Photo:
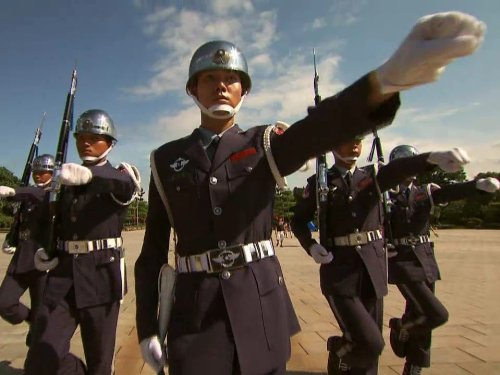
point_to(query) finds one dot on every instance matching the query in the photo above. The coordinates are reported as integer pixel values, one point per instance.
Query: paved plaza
(468, 344)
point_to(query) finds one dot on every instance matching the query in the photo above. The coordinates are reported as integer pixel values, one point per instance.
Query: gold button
(226, 274)
(280, 280)
(358, 247)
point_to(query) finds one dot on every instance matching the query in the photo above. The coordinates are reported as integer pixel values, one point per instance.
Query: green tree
(442, 178)
(284, 203)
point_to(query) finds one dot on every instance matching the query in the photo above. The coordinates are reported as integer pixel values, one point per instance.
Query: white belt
(82, 247)
(231, 257)
(358, 238)
(412, 240)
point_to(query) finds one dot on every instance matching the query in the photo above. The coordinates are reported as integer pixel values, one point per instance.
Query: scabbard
(166, 286)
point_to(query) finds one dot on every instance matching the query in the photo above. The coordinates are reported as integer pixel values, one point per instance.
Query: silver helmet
(96, 121)
(219, 54)
(402, 151)
(43, 163)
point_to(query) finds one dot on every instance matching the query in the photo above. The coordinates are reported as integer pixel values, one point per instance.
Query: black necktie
(210, 150)
(348, 178)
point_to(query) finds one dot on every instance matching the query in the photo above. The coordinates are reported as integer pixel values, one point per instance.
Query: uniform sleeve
(399, 170)
(304, 213)
(336, 120)
(153, 256)
(455, 192)
(111, 180)
(28, 193)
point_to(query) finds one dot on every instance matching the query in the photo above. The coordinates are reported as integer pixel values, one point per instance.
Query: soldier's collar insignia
(179, 164)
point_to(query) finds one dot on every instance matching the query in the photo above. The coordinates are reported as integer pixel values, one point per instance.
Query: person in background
(21, 273)
(414, 268)
(86, 281)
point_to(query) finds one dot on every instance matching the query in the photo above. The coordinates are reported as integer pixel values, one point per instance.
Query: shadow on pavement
(5, 369)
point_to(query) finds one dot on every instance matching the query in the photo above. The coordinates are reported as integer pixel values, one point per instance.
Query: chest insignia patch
(179, 164)
(243, 154)
(420, 197)
(365, 183)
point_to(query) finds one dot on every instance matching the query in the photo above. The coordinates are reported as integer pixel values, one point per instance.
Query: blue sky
(132, 59)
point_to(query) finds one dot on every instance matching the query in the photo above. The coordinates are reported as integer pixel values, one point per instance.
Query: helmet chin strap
(44, 184)
(95, 159)
(219, 111)
(345, 159)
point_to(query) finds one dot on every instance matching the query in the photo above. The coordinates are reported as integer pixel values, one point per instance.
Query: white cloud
(179, 31)
(224, 7)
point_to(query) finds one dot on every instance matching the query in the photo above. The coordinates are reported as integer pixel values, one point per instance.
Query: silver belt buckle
(226, 259)
(77, 247)
(355, 239)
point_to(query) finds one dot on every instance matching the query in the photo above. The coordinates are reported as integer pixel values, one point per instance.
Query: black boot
(338, 347)
(398, 337)
(410, 369)
(336, 366)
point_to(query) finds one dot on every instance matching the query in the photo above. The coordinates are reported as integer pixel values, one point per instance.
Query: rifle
(321, 169)
(12, 236)
(386, 203)
(60, 159)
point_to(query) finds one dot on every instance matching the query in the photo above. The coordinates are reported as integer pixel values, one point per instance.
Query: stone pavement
(468, 344)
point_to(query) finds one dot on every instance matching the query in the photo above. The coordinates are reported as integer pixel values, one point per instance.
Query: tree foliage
(284, 203)
(478, 211)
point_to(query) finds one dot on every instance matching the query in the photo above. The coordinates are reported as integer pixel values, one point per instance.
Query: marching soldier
(231, 312)
(353, 259)
(21, 273)
(85, 280)
(414, 269)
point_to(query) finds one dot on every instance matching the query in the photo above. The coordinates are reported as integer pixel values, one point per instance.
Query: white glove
(434, 42)
(6, 191)
(488, 184)
(7, 249)
(42, 261)
(74, 174)
(320, 254)
(152, 353)
(449, 161)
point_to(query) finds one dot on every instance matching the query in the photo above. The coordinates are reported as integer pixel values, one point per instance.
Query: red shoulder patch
(243, 154)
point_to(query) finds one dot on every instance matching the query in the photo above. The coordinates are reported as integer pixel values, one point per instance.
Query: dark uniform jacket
(29, 230)
(230, 202)
(348, 211)
(88, 212)
(410, 217)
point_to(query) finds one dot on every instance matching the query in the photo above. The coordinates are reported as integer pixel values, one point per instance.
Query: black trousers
(421, 303)
(360, 318)
(49, 353)
(13, 287)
